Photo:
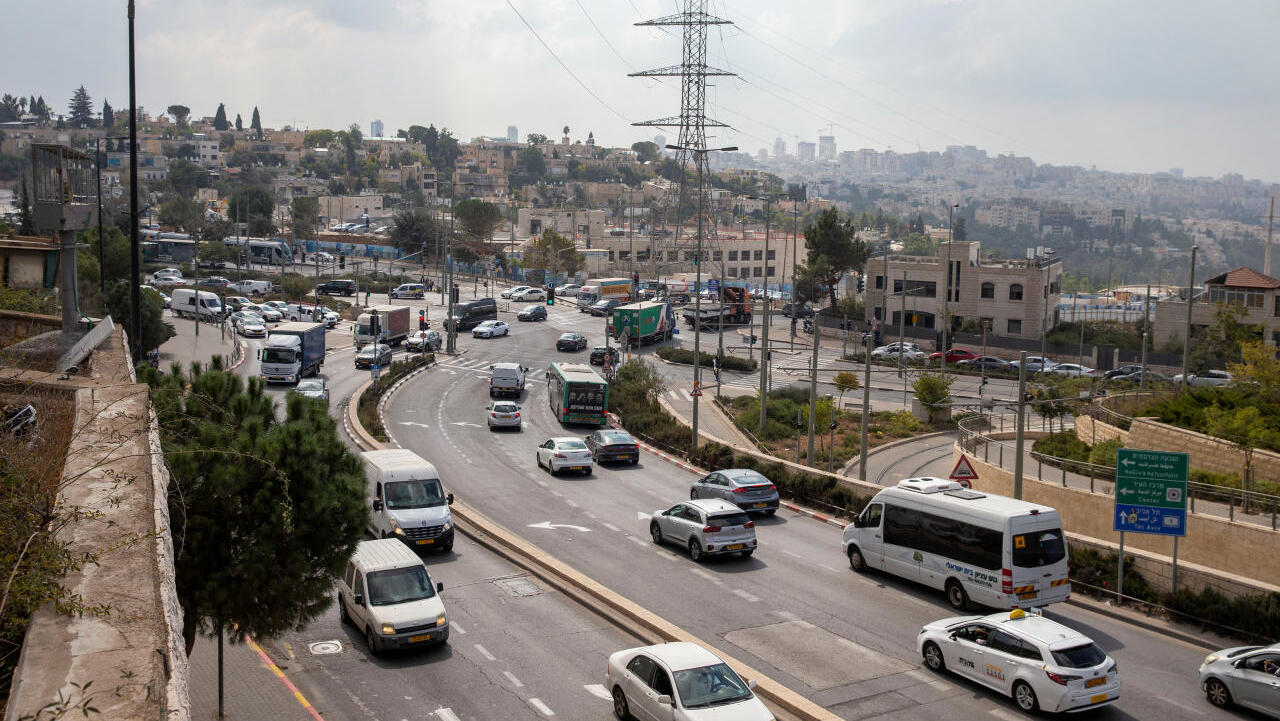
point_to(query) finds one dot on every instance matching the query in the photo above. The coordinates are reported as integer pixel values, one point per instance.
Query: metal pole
(884, 292)
(135, 289)
(795, 261)
(451, 342)
(1146, 332)
(1044, 316)
(1022, 412)
(764, 330)
(220, 708)
(102, 260)
(697, 314)
(813, 388)
(1120, 569)
(831, 445)
(1186, 335)
(1173, 577)
(1266, 256)
(866, 406)
(902, 321)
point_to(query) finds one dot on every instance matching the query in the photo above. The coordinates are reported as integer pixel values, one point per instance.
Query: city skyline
(1124, 89)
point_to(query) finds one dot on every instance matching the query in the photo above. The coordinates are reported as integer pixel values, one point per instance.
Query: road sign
(964, 472)
(713, 285)
(1151, 492)
(374, 370)
(697, 390)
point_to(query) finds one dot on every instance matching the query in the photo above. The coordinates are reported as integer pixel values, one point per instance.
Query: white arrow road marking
(642, 516)
(548, 525)
(445, 714)
(414, 423)
(465, 424)
(598, 691)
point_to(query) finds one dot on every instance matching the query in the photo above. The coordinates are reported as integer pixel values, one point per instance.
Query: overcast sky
(1127, 85)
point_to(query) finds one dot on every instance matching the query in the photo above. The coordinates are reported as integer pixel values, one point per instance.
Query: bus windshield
(1038, 548)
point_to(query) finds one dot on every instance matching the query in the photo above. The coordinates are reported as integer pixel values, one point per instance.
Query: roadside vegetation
(685, 356)
(367, 404)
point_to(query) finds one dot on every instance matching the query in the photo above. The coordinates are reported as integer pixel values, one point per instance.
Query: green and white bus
(577, 394)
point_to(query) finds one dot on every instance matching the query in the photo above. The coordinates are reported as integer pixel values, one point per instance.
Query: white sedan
(559, 454)
(1041, 663)
(530, 294)
(908, 351)
(251, 325)
(509, 292)
(1207, 379)
(491, 329)
(1035, 364)
(680, 681)
(1072, 369)
(568, 290)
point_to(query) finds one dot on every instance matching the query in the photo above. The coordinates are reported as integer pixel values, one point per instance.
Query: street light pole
(1186, 335)
(764, 329)
(135, 289)
(946, 300)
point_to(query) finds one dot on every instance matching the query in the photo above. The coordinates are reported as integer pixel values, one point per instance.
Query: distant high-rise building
(375, 129)
(779, 148)
(1176, 172)
(763, 155)
(513, 135)
(805, 151)
(660, 141)
(826, 148)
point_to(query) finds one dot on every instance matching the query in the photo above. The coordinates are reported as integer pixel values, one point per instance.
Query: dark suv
(337, 287)
(472, 313)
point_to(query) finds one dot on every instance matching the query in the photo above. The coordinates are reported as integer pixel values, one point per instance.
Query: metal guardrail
(972, 438)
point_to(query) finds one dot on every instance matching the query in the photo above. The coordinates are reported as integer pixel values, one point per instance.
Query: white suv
(706, 526)
(1041, 663)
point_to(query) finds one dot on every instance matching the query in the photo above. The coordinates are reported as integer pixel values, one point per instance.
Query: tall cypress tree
(81, 110)
(239, 122)
(256, 123)
(220, 118)
(108, 115)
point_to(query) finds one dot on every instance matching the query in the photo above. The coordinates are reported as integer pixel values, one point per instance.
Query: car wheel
(693, 494)
(537, 459)
(695, 550)
(956, 595)
(1217, 693)
(635, 460)
(655, 532)
(771, 511)
(1025, 697)
(342, 610)
(747, 553)
(371, 640)
(856, 561)
(933, 657)
(620, 708)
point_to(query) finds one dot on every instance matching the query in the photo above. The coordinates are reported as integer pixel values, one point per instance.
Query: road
(794, 610)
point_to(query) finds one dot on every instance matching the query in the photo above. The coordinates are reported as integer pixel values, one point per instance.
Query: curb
(238, 349)
(1134, 619)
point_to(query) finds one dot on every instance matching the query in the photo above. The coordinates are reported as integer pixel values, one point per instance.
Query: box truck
(392, 322)
(644, 322)
(293, 350)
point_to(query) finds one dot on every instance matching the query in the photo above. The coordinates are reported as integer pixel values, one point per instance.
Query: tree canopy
(108, 115)
(253, 204)
(321, 138)
(304, 214)
(220, 118)
(256, 123)
(477, 218)
(646, 151)
(414, 230)
(239, 122)
(180, 114)
(833, 250)
(80, 113)
(540, 255)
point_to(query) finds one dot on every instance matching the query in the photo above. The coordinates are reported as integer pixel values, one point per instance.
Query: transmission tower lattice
(693, 72)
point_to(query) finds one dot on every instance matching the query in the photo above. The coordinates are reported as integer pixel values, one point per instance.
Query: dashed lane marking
(787, 615)
(746, 595)
(445, 714)
(485, 652)
(638, 541)
(512, 678)
(542, 708)
(598, 690)
(612, 527)
(457, 629)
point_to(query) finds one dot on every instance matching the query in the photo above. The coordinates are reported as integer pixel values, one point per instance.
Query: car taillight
(749, 524)
(1061, 679)
(710, 529)
(1006, 580)
(561, 455)
(741, 489)
(564, 410)
(773, 488)
(517, 415)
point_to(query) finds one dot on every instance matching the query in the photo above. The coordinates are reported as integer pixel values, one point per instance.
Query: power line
(602, 36)
(573, 75)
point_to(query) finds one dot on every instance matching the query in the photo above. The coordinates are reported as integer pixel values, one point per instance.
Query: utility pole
(884, 292)
(451, 342)
(866, 409)
(1146, 332)
(795, 261)
(813, 390)
(697, 316)
(1186, 334)
(764, 329)
(1271, 216)
(1022, 411)
(1044, 314)
(135, 287)
(946, 300)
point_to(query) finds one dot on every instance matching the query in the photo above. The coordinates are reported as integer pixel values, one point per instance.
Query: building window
(1277, 313)
(1250, 297)
(715, 255)
(733, 272)
(988, 290)
(988, 324)
(1015, 293)
(773, 254)
(1015, 327)
(758, 272)
(759, 255)
(771, 274)
(733, 255)
(879, 282)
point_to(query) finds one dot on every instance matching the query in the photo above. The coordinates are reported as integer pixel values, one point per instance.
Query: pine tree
(26, 224)
(239, 122)
(220, 118)
(108, 115)
(81, 111)
(256, 123)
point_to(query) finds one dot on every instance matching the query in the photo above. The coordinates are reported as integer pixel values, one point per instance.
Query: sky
(1129, 86)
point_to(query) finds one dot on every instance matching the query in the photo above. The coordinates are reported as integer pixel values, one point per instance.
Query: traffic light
(551, 298)
(422, 319)
(342, 260)
(862, 283)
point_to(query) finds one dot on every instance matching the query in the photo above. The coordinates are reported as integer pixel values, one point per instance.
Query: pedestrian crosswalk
(480, 366)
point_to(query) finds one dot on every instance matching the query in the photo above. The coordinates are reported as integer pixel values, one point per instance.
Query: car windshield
(399, 585)
(423, 493)
(571, 445)
(729, 519)
(1039, 548)
(310, 386)
(279, 355)
(710, 686)
(532, 308)
(568, 336)
(1086, 656)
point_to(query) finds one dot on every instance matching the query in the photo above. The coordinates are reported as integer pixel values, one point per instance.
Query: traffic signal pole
(1021, 433)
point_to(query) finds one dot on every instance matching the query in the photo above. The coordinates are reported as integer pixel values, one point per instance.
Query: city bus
(982, 548)
(577, 394)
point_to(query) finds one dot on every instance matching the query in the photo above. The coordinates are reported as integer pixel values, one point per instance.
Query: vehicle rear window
(507, 408)
(573, 445)
(728, 519)
(751, 479)
(1038, 548)
(1086, 656)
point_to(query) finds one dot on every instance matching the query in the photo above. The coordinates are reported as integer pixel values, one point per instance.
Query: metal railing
(1203, 498)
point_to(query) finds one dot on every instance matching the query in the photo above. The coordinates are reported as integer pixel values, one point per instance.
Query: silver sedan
(742, 487)
(503, 414)
(1246, 676)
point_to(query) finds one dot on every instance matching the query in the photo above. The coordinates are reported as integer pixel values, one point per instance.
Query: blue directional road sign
(713, 285)
(1151, 492)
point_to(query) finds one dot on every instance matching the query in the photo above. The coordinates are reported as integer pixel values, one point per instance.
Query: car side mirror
(439, 587)
(664, 700)
(358, 599)
(449, 499)
(377, 504)
(857, 521)
(490, 367)
(751, 683)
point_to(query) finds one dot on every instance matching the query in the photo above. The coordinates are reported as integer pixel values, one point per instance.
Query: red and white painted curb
(812, 514)
(244, 353)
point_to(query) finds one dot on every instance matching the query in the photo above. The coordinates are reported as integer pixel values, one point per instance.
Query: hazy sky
(1126, 85)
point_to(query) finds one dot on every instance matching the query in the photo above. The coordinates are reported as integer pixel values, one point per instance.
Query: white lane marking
(542, 483)
(789, 553)
(787, 615)
(512, 678)
(746, 596)
(612, 527)
(706, 575)
(485, 652)
(571, 503)
(598, 691)
(1183, 706)
(639, 541)
(1005, 715)
(541, 707)
(642, 516)
(445, 714)
(457, 629)
(828, 568)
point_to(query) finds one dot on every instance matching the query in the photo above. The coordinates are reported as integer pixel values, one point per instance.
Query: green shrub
(1062, 445)
(901, 424)
(1258, 614)
(685, 356)
(1097, 568)
(933, 389)
(1104, 453)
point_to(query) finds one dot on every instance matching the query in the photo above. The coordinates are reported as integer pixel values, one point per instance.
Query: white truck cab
(407, 500)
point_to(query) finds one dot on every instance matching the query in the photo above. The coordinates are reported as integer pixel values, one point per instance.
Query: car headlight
(448, 525)
(395, 527)
(388, 629)
(440, 619)
(1211, 658)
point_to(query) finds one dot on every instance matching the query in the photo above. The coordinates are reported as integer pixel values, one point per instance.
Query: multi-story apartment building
(1014, 297)
(826, 148)
(805, 151)
(1258, 294)
(586, 227)
(1010, 213)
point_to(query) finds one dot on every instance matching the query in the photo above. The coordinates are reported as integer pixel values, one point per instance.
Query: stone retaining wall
(16, 326)
(1092, 431)
(1207, 453)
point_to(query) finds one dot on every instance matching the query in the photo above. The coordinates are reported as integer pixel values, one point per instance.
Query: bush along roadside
(633, 397)
(685, 356)
(367, 408)
(1254, 617)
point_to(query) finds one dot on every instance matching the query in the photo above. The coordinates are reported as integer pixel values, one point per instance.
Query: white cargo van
(387, 593)
(506, 379)
(252, 287)
(993, 550)
(192, 303)
(407, 499)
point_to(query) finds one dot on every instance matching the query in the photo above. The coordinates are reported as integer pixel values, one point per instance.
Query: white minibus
(992, 550)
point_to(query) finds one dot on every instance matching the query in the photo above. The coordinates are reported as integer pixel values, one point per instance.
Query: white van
(252, 287)
(190, 303)
(408, 290)
(991, 550)
(408, 502)
(387, 593)
(506, 379)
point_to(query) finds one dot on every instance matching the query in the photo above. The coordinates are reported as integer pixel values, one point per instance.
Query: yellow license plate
(1098, 699)
(426, 541)
(1028, 595)
(420, 638)
(760, 505)
(575, 468)
(734, 547)
(1095, 682)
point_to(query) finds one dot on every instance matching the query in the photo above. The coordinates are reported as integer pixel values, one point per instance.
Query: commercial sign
(1151, 492)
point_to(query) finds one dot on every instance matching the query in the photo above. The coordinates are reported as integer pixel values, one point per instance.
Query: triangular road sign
(964, 471)
(697, 389)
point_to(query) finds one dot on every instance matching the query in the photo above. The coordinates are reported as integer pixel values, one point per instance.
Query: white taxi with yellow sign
(1042, 664)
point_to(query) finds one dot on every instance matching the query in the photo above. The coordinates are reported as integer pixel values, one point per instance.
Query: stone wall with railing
(1207, 453)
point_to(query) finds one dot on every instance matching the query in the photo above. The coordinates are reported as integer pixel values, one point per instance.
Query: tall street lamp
(946, 299)
(697, 307)
(764, 324)
(97, 162)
